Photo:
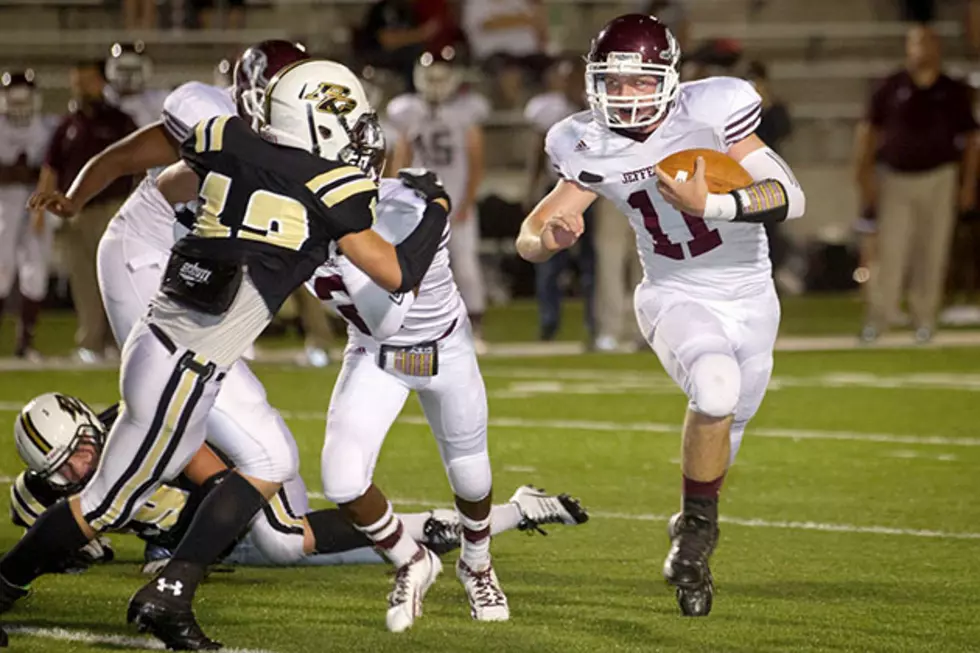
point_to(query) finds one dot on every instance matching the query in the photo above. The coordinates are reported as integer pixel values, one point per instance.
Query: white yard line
(943, 339)
(86, 637)
(736, 521)
(748, 523)
(646, 427)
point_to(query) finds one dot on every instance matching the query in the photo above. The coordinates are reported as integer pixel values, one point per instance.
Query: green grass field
(852, 518)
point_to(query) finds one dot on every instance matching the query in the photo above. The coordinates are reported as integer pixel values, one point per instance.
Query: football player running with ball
(269, 208)
(706, 305)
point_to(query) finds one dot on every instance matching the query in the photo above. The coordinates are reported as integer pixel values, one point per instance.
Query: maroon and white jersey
(144, 107)
(149, 214)
(372, 312)
(546, 109)
(438, 135)
(709, 259)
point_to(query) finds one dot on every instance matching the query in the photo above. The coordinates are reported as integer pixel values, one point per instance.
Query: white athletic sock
(504, 518)
(389, 535)
(414, 524)
(476, 542)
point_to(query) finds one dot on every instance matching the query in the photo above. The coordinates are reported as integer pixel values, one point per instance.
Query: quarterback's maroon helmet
(256, 66)
(632, 75)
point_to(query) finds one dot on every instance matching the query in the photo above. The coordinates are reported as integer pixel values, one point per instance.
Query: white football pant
(241, 424)
(24, 253)
(366, 401)
(167, 393)
(718, 352)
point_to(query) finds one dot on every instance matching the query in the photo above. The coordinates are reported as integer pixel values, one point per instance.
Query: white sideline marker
(122, 641)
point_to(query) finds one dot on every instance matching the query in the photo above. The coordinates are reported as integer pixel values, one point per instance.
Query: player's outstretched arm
(179, 184)
(555, 223)
(146, 148)
(398, 269)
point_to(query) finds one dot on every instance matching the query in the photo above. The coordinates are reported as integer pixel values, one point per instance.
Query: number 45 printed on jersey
(703, 239)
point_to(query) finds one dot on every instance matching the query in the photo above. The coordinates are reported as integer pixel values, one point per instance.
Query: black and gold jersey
(161, 517)
(271, 208)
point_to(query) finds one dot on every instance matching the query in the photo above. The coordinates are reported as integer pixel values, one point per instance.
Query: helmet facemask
(19, 103)
(366, 149)
(655, 88)
(50, 472)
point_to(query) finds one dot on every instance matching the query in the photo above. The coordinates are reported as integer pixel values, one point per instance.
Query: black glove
(425, 183)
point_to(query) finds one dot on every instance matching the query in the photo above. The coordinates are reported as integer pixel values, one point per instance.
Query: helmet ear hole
(324, 132)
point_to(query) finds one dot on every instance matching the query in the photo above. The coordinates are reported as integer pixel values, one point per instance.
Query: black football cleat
(171, 622)
(441, 532)
(693, 540)
(10, 594)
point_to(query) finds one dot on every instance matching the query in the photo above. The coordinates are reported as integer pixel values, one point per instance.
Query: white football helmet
(436, 75)
(50, 428)
(128, 69)
(320, 106)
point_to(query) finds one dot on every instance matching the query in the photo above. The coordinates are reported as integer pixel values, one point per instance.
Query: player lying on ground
(287, 532)
(707, 304)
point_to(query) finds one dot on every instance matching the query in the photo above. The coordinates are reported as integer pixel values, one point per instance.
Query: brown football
(722, 172)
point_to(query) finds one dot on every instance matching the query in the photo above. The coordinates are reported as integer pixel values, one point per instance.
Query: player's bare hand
(54, 202)
(561, 232)
(687, 195)
(37, 221)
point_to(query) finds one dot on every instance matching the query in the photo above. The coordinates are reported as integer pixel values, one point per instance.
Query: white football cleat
(412, 581)
(487, 600)
(537, 507)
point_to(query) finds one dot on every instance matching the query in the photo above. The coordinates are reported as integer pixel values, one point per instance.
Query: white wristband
(720, 207)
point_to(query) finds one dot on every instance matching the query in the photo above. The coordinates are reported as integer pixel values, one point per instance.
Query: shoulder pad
(191, 103)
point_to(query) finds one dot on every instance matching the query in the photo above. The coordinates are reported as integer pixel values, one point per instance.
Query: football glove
(425, 183)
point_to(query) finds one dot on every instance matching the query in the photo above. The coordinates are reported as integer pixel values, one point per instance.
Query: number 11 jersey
(710, 259)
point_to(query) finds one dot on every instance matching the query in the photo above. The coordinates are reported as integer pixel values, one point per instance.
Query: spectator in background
(920, 129)
(450, 34)
(919, 11)
(508, 38)
(210, 18)
(393, 37)
(673, 14)
(775, 128)
(91, 125)
(24, 252)
(139, 14)
(565, 97)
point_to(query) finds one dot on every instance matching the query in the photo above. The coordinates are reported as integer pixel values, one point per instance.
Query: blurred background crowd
(871, 101)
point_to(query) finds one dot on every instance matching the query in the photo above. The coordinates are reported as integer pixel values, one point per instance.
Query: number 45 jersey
(708, 259)
(437, 134)
(273, 209)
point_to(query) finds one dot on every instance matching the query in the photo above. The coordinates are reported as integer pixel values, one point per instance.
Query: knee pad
(715, 385)
(265, 450)
(345, 472)
(470, 476)
(279, 544)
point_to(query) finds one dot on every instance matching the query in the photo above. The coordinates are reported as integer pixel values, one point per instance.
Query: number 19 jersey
(710, 259)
